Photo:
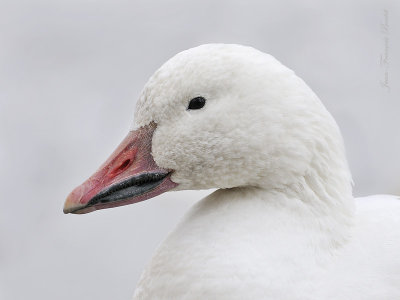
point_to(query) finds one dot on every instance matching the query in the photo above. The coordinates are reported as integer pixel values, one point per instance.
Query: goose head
(219, 116)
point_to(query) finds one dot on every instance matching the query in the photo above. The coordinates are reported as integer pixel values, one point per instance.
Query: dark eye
(197, 103)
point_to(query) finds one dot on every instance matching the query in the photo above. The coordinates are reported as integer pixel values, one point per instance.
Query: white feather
(283, 224)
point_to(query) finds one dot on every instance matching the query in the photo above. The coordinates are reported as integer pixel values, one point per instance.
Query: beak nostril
(124, 165)
(121, 168)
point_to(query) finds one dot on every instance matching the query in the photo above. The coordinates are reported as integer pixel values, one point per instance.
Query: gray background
(70, 73)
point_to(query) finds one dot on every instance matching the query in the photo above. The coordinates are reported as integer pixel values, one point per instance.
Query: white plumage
(283, 224)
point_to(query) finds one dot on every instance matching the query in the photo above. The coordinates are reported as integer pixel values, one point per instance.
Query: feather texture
(284, 223)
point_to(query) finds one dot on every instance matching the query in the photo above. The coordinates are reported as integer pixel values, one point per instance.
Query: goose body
(255, 252)
(283, 223)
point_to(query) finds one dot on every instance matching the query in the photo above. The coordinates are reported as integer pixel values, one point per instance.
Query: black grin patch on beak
(131, 187)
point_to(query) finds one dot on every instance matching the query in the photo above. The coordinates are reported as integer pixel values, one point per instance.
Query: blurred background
(70, 74)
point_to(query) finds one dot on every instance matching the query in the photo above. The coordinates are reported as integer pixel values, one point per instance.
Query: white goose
(284, 223)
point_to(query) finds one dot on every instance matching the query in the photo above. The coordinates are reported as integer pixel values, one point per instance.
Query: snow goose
(283, 223)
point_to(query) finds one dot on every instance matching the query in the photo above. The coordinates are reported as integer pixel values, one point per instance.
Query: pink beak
(128, 176)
